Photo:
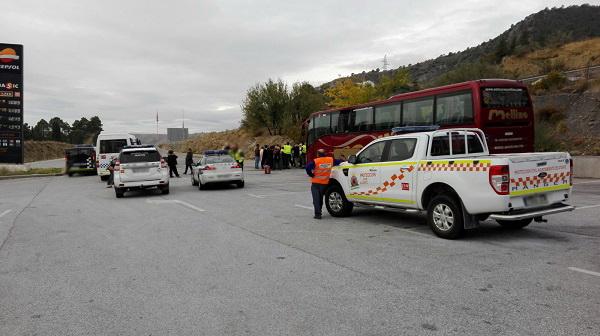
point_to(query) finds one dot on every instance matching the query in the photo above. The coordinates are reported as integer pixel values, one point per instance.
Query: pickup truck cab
(450, 174)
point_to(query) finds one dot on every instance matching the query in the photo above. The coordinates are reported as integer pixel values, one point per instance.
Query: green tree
(27, 132)
(41, 131)
(59, 129)
(345, 93)
(469, 71)
(304, 99)
(399, 82)
(265, 106)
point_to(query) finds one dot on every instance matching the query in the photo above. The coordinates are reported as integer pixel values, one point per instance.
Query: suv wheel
(119, 192)
(165, 190)
(336, 202)
(194, 182)
(240, 184)
(201, 186)
(515, 225)
(444, 216)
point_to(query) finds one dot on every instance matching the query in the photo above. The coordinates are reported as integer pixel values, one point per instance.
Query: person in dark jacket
(111, 169)
(189, 161)
(172, 162)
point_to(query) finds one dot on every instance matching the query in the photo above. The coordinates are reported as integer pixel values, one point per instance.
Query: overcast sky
(124, 60)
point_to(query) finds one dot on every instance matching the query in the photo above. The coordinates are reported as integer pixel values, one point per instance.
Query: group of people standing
(279, 157)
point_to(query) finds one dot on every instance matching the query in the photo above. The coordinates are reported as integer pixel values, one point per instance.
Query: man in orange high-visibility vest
(319, 170)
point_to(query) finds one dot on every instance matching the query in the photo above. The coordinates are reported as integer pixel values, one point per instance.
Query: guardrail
(591, 71)
(586, 166)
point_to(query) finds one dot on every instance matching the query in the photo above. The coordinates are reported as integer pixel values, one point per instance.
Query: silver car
(217, 167)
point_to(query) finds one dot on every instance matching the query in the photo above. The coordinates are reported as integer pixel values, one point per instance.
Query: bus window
(505, 97)
(458, 143)
(387, 116)
(418, 112)
(311, 132)
(343, 122)
(322, 124)
(362, 119)
(456, 108)
(335, 117)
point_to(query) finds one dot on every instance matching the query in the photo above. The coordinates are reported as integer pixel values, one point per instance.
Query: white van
(108, 146)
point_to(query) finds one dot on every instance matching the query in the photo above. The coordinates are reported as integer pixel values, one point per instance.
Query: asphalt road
(74, 260)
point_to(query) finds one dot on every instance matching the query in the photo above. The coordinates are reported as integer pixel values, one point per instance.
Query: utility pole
(157, 124)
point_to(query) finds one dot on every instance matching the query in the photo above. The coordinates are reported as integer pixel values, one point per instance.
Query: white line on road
(182, 203)
(5, 212)
(303, 206)
(256, 196)
(587, 207)
(584, 271)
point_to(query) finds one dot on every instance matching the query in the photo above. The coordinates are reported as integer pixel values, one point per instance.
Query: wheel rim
(443, 217)
(336, 203)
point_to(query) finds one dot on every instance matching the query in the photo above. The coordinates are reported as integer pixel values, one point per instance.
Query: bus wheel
(336, 202)
(444, 216)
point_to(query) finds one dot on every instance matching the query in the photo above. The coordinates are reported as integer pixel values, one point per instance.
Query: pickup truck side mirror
(352, 159)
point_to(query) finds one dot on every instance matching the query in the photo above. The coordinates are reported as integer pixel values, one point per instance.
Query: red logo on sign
(8, 55)
(405, 186)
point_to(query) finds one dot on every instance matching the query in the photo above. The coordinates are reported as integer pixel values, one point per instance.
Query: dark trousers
(286, 161)
(318, 192)
(188, 165)
(173, 170)
(111, 178)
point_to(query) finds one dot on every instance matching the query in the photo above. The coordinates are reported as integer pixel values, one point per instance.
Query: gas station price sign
(11, 103)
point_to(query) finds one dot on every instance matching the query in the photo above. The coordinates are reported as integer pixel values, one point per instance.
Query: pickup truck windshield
(140, 156)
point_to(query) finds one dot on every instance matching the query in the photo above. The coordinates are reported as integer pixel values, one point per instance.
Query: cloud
(126, 60)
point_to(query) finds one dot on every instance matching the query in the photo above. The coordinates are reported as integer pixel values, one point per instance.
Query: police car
(450, 174)
(140, 167)
(217, 166)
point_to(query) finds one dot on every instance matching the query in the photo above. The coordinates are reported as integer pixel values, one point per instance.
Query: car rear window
(140, 156)
(112, 146)
(219, 159)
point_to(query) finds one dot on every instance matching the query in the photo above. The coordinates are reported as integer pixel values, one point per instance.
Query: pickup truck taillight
(571, 171)
(236, 165)
(500, 179)
(209, 168)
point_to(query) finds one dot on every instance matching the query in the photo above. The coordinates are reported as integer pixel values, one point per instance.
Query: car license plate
(223, 175)
(535, 200)
(140, 170)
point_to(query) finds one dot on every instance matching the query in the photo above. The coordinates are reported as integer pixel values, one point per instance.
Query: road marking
(5, 212)
(256, 196)
(276, 194)
(584, 271)
(303, 206)
(587, 207)
(182, 203)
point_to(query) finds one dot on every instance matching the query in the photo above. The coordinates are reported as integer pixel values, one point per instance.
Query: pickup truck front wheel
(515, 225)
(336, 202)
(444, 216)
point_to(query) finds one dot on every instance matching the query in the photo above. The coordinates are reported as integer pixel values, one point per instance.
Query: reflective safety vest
(303, 149)
(237, 155)
(322, 171)
(287, 149)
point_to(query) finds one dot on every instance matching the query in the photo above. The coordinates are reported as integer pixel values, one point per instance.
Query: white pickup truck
(450, 174)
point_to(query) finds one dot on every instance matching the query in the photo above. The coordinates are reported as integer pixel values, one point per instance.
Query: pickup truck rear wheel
(444, 216)
(518, 224)
(336, 203)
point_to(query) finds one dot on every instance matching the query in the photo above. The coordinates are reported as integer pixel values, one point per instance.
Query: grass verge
(32, 171)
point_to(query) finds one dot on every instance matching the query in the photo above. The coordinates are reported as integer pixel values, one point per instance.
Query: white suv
(140, 167)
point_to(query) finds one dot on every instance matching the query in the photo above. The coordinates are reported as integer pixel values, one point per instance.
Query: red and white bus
(501, 108)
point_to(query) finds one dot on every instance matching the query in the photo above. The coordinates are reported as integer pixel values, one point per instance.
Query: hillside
(546, 29)
(217, 140)
(574, 55)
(44, 150)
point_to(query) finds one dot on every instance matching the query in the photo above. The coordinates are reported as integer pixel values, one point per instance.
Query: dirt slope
(44, 150)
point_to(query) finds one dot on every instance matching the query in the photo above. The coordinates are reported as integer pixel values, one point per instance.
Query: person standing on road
(276, 158)
(302, 155)
(286, 155)
(257, 156)
(296, 156)
(172, 163)
(111, 169)
(237, 154)
(189, 161)
(319, 170)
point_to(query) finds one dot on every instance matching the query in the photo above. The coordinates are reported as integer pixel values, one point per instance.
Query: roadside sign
(11, 103)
